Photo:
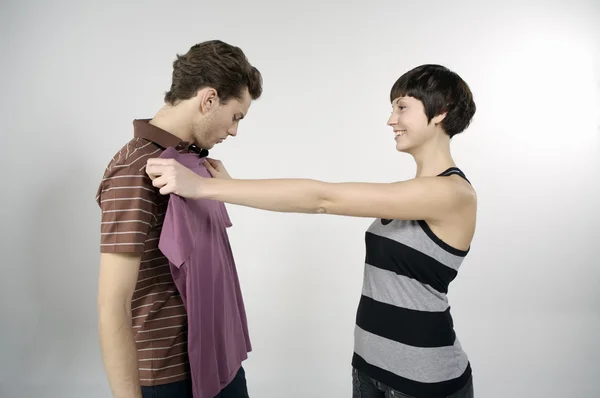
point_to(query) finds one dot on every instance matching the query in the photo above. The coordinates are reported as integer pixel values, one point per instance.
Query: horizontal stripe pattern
(404, 334)
(401, 291)
(414, 363)
(409, 234)
(415, 328)
(132, 217)
(388, 254)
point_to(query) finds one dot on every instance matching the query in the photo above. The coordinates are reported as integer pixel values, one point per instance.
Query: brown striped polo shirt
(132, 217)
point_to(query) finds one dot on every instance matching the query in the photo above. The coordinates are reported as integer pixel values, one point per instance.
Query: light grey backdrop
(526, 304)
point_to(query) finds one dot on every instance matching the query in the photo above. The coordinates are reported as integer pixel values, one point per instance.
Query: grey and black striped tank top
(404, 335)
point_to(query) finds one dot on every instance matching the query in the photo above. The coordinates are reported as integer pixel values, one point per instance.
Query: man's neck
(173, 120)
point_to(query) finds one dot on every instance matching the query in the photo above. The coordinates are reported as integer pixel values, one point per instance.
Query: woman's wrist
(208, 188)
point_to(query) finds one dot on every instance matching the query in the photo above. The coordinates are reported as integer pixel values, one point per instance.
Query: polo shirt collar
(143, 129)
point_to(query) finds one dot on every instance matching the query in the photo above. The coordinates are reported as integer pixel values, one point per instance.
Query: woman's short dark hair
(440, 90)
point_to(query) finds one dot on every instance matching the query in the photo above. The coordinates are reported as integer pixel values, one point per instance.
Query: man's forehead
(245, 102)
(246, 97)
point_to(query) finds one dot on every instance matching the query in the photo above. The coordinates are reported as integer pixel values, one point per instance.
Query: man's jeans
(183, 389)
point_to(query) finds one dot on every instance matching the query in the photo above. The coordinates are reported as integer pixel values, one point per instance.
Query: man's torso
(133, 212)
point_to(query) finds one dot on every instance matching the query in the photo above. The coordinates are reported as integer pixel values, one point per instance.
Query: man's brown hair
(217, 65)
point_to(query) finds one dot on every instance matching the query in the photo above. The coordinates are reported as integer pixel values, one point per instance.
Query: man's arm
(117, 279)
(126, 198)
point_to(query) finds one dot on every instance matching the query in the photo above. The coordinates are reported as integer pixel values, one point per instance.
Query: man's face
(222, 121)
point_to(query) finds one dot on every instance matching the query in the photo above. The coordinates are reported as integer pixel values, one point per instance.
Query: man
(142, 318)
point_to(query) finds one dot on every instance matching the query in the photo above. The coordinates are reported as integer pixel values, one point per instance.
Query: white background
(526, 302)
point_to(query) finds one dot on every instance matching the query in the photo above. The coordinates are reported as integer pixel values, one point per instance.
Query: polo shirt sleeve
(127, 199)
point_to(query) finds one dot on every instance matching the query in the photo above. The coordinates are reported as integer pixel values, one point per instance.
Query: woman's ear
(439, 118)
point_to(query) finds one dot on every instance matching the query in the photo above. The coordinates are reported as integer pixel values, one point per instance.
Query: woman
(405, 345)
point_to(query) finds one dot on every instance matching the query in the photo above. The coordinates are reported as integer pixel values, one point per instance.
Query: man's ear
(209, 99)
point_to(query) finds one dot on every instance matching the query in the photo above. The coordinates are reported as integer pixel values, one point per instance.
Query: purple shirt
(194, 240)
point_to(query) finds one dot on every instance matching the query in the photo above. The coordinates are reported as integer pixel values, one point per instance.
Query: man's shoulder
(133, 156)
(125, 174)
(135, 153)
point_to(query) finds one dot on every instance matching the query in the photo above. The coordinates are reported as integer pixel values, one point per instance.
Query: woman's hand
(216, 169)
(171, 176)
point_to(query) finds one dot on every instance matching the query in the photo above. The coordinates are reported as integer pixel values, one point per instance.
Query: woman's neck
(434, 158)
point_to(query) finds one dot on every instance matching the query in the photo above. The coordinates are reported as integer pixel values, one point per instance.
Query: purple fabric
(194, 240)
